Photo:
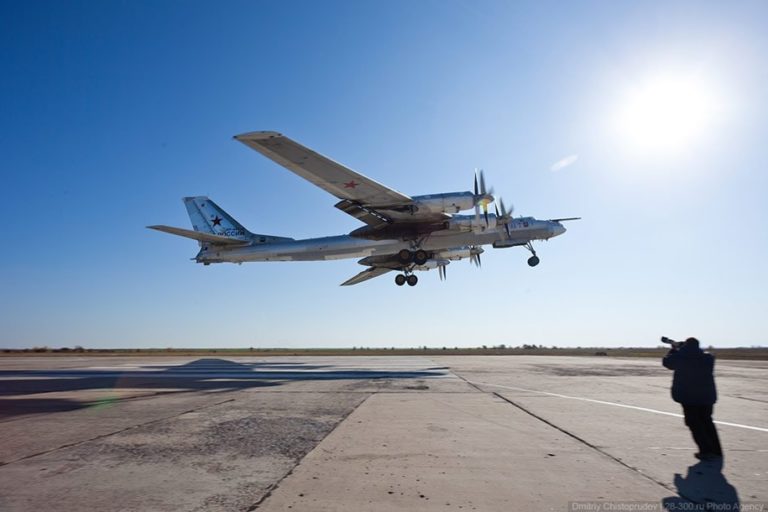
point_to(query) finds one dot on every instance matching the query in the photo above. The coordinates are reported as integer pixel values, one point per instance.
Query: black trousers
(698, 418)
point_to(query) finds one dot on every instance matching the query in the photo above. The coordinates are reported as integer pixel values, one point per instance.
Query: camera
(675, 344)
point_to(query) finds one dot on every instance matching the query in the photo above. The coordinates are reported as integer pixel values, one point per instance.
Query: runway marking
(644, 409)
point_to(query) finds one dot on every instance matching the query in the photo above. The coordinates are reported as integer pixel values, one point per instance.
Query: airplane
(401, 233)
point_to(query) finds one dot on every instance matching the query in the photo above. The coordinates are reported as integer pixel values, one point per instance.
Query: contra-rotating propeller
(474, 256)
(504, 216)
(482, 197)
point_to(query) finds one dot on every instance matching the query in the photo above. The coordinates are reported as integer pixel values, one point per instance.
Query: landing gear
(409, 259)
(418, 257)
(533, 260)
(401, 279)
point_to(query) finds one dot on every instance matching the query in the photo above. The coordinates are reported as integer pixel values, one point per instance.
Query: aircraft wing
(331, 176)
(365, 275)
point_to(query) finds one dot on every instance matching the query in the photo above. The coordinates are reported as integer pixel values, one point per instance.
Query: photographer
(693, 387)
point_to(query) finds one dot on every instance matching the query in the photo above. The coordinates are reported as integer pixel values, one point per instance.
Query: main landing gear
(409, 259)
(401, 279)
(533, 260)
(419, 257)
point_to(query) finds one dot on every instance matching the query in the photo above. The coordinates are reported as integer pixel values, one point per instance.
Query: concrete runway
(370, 433)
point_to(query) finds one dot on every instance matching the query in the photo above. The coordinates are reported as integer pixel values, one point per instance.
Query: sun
(666, 114)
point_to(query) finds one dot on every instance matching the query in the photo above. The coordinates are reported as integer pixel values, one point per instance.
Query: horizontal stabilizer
(365, 275)
(565, 219)
(200, 236)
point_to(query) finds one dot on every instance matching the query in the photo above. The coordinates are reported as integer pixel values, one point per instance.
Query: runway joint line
(272, 488)
(102, 436)
(585, 442)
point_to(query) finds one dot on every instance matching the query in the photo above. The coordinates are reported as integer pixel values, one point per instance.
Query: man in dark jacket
(693, 386)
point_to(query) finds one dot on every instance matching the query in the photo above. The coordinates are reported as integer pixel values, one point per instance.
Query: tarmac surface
(486, 433)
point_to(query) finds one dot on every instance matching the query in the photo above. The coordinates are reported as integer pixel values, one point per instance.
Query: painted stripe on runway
(644, 409)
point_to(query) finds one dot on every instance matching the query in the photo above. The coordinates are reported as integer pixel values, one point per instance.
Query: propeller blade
(474, 258)
(496, 209)
(504, 212)
(482, 182)
(485, 212)
(476, 192)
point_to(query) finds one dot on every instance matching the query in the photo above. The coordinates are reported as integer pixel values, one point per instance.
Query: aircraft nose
(556, 229)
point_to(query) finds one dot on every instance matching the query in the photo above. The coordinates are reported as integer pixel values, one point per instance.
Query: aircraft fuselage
(521, 231)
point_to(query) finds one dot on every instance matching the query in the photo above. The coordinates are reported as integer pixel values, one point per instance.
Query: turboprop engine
(446, 203)
(433, 263)
(455, 202)
(459, 253)
(474, 223)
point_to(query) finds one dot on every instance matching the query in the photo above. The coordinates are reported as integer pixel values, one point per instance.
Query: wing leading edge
(365, 275)
(334, 178)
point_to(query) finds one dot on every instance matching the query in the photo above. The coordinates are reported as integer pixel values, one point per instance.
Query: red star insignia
(351, 184)
(216, 221)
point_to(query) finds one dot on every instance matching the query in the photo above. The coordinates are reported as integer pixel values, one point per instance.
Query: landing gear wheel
(400, 279)
(412, 280)
(533, 260)
(405, 256)
(420, 257)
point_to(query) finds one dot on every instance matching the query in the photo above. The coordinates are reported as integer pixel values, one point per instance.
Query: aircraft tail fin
(214, 226)
(208, 217)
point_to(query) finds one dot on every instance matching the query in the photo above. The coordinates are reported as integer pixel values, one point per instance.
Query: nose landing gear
(533, 260)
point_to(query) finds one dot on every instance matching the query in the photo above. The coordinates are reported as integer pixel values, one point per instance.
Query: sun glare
(666, 114)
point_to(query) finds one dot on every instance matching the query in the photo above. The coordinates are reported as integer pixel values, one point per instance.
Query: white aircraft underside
(401, 233)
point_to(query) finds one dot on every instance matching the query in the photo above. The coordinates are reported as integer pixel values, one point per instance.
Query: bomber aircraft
(401, 233)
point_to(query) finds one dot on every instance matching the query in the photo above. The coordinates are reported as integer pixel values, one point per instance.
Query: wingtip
(257, 135)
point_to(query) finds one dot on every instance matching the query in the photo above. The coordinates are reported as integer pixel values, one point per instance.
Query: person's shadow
(705, 486)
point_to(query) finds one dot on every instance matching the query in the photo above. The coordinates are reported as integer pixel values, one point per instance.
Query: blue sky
(110, 112)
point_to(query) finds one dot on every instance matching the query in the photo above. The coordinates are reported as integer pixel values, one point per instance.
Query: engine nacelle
(431, 264)
(453, 202)
(460, 253)
(475, 223)
(505, 244)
